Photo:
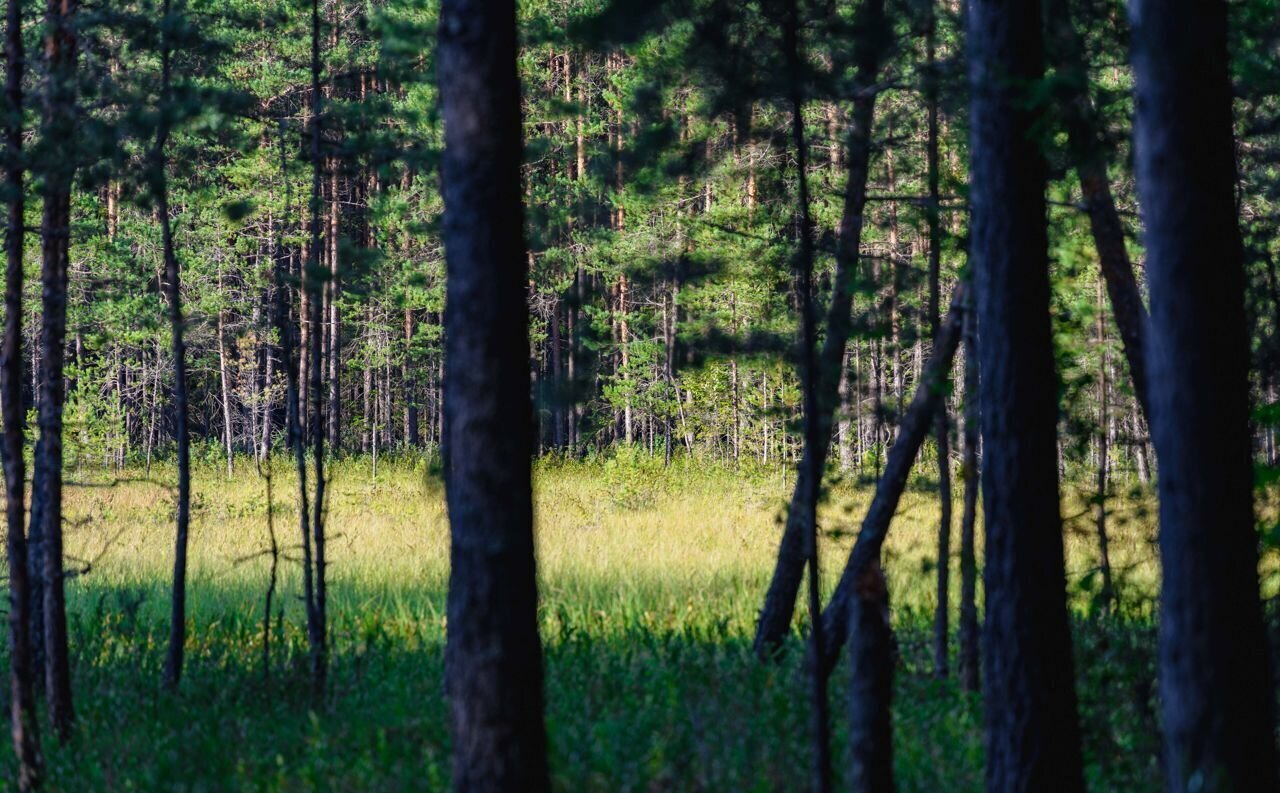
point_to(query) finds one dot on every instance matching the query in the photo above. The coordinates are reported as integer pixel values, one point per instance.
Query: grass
(650, 584)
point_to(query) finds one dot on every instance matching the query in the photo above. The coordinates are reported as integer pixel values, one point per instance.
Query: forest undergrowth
(650, 582)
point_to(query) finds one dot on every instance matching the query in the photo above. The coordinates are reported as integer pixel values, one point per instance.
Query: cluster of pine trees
(762, 233)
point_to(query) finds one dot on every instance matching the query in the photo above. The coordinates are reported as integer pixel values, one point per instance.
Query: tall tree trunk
(1089, 157)
(317, 617)
(779, 604)
(23, 724)
(493, 656)
(160, 192)
(1214, 676)
(224, 374)
(412, 435)
(941, 622)
(1033, 739)
(1107, 593)
(58, 132)
(810, 378)
(969, 630)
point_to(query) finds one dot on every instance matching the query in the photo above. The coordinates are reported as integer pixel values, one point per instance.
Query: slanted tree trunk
(779, 604)
(1033, 739)
(1089, 157)
(1215, 685)
(59, 133)
(160, 192)
(493, 656)
(916, 421)
(22, 700)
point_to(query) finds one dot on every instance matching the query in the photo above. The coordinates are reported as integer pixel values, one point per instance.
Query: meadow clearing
(650, 582)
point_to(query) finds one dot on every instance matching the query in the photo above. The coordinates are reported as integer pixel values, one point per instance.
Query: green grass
(650, 584)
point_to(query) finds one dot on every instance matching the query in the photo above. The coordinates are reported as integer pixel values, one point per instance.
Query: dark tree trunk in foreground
(969, 629)
(1214, 679)
(780, 601)
(916, 423)
(160, 191)
(870, 685)
(1089, 156)
(1033, 739)
(494, 655)
(22, 699)
(59, 134)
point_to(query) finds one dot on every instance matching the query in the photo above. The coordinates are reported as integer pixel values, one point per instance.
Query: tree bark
(870, 685)
(493, 654)
(1033, 739)
(160, 192)
(1214, 674)
(58, 128)
(779, 604)
(23, 723)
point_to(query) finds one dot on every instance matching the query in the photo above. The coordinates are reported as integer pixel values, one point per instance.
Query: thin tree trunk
(811, 376)
(916, 422)
(1033, 738)
(969, 629)
(1090, 160)
(942, 613)
(1107, 594)
(23, 723)
(317, 618)
(59, 127)
(160, 192)
(493, 655)
(1215, 683)
(779, 604)
(224, 372)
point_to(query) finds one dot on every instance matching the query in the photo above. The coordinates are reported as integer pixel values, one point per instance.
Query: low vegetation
(650, 583)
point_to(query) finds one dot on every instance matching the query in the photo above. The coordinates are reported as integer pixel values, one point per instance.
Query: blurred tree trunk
(23, 722)
(941, 433)
(1215, 684)
(870, 684)
(1033, 739)
(1090, 160)
(916, 422)
(970, 632)
(493, 655)
(59, 133)
(779, 604)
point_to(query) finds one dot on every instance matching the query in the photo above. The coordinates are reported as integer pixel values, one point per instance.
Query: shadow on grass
(643, 694)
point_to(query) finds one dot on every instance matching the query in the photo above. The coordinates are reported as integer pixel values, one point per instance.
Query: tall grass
(650, 581)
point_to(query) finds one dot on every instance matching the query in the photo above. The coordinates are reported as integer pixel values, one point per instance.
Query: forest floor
(651, 579)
